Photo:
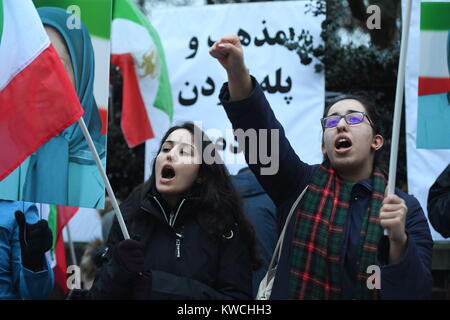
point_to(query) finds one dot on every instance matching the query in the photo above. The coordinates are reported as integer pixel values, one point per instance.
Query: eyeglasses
(350, 118)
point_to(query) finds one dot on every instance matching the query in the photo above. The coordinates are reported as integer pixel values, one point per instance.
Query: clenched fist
(228, 51)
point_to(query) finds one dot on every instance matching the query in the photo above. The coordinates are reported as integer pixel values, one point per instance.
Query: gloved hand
(131, 255)
(35, 239)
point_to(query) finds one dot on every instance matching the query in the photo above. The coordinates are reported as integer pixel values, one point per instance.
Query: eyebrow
(347, 112)
(181, 143)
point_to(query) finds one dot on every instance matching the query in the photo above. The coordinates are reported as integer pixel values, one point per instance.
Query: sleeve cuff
(383, 254)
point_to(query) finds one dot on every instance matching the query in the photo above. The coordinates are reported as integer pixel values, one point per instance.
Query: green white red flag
(37, 98)
(434, 75)
(136, 49)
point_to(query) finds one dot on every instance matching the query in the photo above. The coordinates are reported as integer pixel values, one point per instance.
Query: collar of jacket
(155, 205)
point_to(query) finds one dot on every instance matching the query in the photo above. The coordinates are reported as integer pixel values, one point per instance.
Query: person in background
(25, 272)
(261, 212)
(439, 203)
(107, 218)
(90, 262)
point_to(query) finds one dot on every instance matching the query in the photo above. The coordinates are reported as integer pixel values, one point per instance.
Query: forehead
(180, 135)
(343, 106)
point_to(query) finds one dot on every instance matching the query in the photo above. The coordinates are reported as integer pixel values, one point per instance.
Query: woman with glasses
(334, 246)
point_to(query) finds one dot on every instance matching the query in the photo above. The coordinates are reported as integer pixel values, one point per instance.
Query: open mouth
(342, 144)
(168, 172)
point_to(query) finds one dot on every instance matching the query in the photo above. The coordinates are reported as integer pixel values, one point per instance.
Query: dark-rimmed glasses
(351, 118)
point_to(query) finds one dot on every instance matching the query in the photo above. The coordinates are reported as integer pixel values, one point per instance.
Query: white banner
(295, 91)
(423, 165)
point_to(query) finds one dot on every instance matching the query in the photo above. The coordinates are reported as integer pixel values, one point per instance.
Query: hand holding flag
(35, 239)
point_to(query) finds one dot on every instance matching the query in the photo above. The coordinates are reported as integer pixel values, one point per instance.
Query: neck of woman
(171, 200)
(356, 173)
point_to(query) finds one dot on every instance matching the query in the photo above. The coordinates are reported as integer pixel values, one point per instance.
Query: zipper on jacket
(162, 209)
(178, 211)
(171, 222)
(178, 245)
(172, 217)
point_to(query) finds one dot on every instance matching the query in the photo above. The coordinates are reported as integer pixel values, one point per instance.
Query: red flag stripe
(60, 270)
(104, 118)
(428, 85)
(34, 107)
(135, 124)
(65, 213)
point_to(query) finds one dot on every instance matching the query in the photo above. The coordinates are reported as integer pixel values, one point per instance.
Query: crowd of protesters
(199, 233)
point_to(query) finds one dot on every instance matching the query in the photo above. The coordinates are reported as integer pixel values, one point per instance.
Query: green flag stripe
(125, 9)
(95, 14)
(435, 16)
(1, 20)
(163, 100)
(52, 224)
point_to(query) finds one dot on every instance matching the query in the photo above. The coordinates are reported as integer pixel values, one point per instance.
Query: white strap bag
(265, 287)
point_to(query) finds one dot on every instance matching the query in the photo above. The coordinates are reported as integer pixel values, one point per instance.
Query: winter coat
(185, 262)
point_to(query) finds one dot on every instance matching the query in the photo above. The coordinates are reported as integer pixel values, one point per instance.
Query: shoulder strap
(277, 251)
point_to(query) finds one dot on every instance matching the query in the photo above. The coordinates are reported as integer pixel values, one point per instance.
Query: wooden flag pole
(399, 100)
(115, 205)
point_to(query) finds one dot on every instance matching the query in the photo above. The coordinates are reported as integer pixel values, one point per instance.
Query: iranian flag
(147, 107)
(96, 16)
(57, 218)
(434, 75)
(37, 99)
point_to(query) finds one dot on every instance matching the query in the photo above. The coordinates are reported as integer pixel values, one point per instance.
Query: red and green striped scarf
(318, 237)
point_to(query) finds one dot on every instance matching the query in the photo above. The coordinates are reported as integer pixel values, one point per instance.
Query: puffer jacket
(184, 261)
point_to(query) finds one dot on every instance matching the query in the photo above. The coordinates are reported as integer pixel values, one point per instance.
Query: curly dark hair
(219, 204)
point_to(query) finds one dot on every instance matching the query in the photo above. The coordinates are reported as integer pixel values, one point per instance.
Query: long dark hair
(372, 113)
(218, 204)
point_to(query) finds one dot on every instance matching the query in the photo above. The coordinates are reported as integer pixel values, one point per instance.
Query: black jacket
(185, 262)
(439, 203)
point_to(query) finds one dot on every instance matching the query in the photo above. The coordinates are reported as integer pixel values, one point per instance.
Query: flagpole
(115, 205)
(399, 101)
(71, 247)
